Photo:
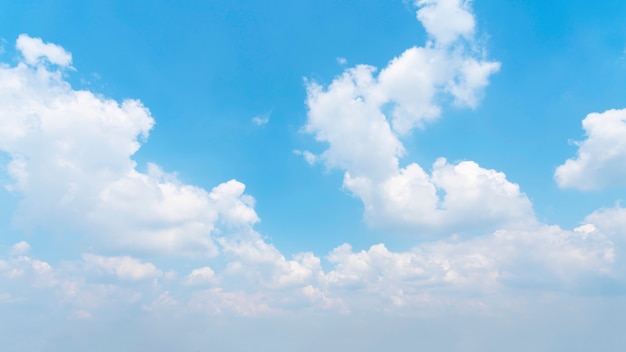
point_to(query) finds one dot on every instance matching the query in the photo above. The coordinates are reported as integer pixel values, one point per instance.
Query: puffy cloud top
(35, 50)
(601, 159)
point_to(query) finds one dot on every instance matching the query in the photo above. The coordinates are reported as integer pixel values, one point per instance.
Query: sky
(428, 175)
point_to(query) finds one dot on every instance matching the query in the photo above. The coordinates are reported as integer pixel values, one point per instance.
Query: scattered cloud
(309, 157)
(125, 268)
(35, 51)
(342, 61)
(601, 157)
(201, 276)
(446, 20)
(256, 279)
(261, 120)
(474, 198)
(20, 248)
(71, 165)
(362, 116)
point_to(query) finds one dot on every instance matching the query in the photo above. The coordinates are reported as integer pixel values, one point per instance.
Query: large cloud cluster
(361, 116)
(70, 162)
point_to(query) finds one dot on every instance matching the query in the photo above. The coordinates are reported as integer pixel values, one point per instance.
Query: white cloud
(309, 157)
(612, 222)
(342, 60)
(264, 265)
(474, 198)
(125, 268)
(362, 116)
(70, 160)
(201, 276)
(601, 157)
(26, 272)
(34, 50)
(446, 20)
(20, 248)
(546, 258)
(261, 119)
(485, 272)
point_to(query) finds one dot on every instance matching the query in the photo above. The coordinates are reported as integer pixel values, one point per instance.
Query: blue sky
(438, 174)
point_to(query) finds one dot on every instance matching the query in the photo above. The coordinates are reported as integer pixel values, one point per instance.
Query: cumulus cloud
(265, 266)
(259, 280)
(71, 162)
(612, 222)
(125, 268)
(601, 157)
(20, 248)
(361, 116)
(201, 276)
(474, 198)
(546, 258)
(35, 51)
(446, 20)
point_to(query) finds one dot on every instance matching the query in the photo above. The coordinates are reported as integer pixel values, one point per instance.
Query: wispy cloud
(261, 120)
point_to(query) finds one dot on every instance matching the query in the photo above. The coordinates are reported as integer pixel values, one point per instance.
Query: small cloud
(35, 50)
(125, 268)
(342, 60)
(20, 248)
(308, 156)
(201, 276)
(261, 119)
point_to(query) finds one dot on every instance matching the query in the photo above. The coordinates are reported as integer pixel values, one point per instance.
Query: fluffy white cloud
(545, 258)
(265, 266)
(474, 198)
(612, 222)
(70, 160)
(601, 159)
(35, 51)
(125, 268)
(446, 20)
(201, 276)
(257, 279)
(21, 273)
(20, 248)
(361, 117)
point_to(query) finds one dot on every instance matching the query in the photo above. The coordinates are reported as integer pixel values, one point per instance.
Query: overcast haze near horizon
(436, 175)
